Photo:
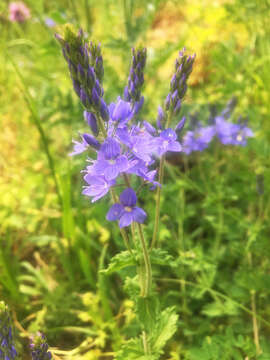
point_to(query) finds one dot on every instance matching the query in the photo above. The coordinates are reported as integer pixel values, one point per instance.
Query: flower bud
(91, 121)
(180, 125)
(91, 141)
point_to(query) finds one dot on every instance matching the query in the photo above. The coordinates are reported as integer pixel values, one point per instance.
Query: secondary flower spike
(132, 91)
(39, 347)
(7, 348)
(86, 70)
(127, 211)
(178, 88)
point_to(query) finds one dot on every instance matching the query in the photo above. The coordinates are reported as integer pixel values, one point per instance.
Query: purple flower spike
(132, 92)
(126, 212)
(7, 349)
(39, 348)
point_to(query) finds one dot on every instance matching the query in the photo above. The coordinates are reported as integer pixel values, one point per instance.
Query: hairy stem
(157, 212)
(145, 344)
(147, 276)
(160, 180)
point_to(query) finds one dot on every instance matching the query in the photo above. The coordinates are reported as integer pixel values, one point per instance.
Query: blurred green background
(215, 222)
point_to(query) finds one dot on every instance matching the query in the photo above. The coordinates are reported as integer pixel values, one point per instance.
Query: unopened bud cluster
(178, 88)
(132, 92)
(86, 70)
(39, 347)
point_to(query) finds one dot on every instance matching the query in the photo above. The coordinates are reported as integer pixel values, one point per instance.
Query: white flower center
(239, 137)
(128, 208)
(165, 143)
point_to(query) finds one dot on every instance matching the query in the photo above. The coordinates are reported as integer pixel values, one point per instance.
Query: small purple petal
(174, 146)
(111, 148)
(78, 147)
(128, 197)
(122, 163)
(111, 172)
(149, 127)
(126, 219)
(115, 212)
(139, 215)
(122, 111)
(168, 134)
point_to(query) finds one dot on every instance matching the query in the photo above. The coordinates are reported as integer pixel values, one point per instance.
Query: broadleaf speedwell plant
(128, 155)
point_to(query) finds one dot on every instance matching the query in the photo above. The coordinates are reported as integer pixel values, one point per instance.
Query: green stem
(127, 17)
(157, 212)
(87, 8)
(145, 344)
(160, 180)
(147, 275)
(74, 10)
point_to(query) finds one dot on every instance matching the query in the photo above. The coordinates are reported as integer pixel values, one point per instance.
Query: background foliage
(215, 206)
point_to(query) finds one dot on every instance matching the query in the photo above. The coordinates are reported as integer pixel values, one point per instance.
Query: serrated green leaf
(133, 350)
(220, 309)
(147, 310)
(162, 257)
(119, 262)
(166, 326)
